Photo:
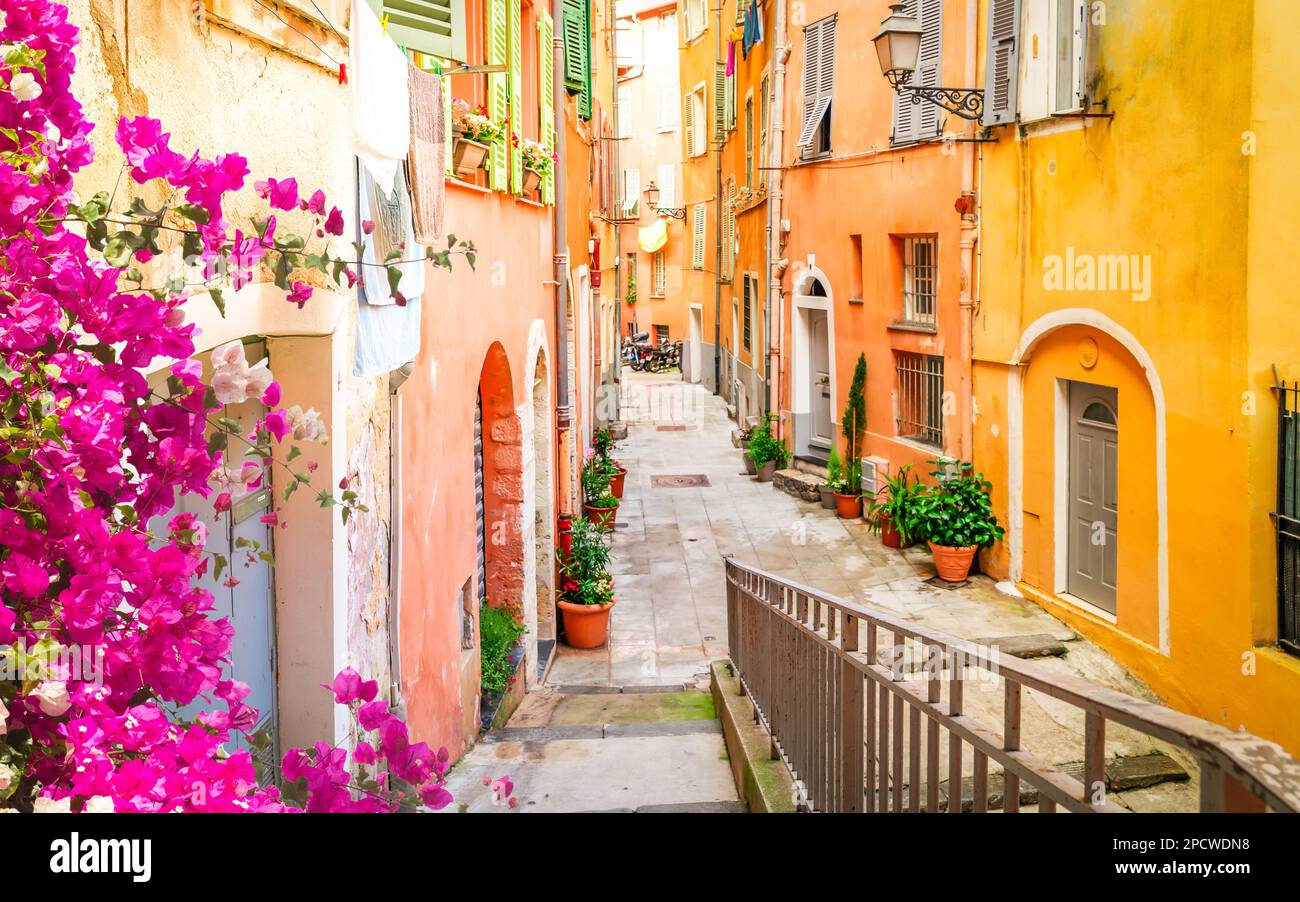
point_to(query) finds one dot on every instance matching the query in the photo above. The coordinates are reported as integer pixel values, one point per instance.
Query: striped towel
(427, 160)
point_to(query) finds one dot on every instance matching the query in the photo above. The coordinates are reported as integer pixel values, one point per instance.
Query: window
(920, 280)
(764, 89)
(749, 141)
(917, 121)
(920, 398)
(631, 276)
(696, 122)
(659, 275)
(1053, 68)
(623, 112)
(661, 333)
(698, 217)
(748, 314)
(667, 104)
(697, 12)
(1002, 62)
(436, 27)
(576, 28)
(855, 274)
(631, 205)
(818, 86)
(1287, 519)
(729, 233)
(721, 101)
(666, 182)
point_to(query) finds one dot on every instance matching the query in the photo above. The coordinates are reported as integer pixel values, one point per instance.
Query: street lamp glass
(898, 43)
(652, 195)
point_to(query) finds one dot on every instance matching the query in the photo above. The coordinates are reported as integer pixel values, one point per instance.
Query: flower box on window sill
(468, 156)
(532, 178)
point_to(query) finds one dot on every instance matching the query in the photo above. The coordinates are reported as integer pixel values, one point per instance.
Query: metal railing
(859, 735)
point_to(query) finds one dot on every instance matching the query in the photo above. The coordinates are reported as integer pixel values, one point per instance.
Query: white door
(1094, 493)
(697, 339)
(821, 401)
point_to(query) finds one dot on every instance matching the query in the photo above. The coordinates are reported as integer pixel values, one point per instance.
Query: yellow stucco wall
(1170, 177)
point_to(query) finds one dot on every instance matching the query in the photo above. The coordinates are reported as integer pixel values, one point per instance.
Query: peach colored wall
(870, 189)
(465, 313)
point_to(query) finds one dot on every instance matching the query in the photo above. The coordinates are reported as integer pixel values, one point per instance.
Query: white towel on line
(381, 105)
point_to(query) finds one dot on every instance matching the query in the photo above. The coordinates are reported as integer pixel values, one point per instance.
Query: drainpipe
(969, 238)
(776, 151)
(560, 249)
(719, 128)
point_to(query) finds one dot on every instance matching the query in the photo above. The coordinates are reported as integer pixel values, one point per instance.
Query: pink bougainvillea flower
(315, 203)
(271, 396)
(300, 294)
(348, 687)
(334, 222)
(367, 226)
(282, 195)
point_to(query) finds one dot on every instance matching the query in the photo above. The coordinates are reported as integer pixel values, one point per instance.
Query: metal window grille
(920, 280)
(660, 274)
(1286, 519)
(748, 314)
(920, 398)
(661, 333)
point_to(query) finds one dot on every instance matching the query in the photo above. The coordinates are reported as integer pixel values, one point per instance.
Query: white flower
(229, 385)
(53, 697)
(307, 425)
(259, 379)
(50, 806)
(24, 87)
(230, 354)
(98, 805)
(6, 777)
(233, 380)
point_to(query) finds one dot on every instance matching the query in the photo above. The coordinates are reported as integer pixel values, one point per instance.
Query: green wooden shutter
(516, 95)
(1002, 62)
(430, 26)
(499, 91)
(545, 60)
(576, 29)
(720, 101)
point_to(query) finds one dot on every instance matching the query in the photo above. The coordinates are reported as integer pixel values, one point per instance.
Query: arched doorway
(539, 606)
(498, 463)
(813, 371)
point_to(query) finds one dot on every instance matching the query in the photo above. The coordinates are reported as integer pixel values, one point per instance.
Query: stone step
(798, 483)
(1037, 645)
(811, 464)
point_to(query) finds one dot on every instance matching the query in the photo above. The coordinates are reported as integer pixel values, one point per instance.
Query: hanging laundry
(427, 162)
(388, 334)
(381, 108)
(753, 27)
(393, 231)
(731, 59)
(654, 236)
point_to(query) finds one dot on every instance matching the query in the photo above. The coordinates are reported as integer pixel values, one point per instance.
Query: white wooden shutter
(688, 131)
(666, 180)
(667, 106)
(623, 111)
(818, 77)
(929, 65)
(1002, 62)
(720, 101)
(697, 236)
(631, 191)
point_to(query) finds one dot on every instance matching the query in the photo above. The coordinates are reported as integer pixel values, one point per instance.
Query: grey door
(823, 414)
(1094, 492)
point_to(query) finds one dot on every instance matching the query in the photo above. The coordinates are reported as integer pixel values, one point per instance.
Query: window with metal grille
(631, 276)
(919, 398)
(659, 275)
(1286, 519)
(920, 280)
(748, 313)
(661, 333)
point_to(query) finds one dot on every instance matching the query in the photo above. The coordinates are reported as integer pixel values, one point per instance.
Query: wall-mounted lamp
(898, 45)
(652, 199)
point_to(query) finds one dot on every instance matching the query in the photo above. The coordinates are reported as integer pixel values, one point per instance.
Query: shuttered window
(631, 206)
(818, 86)
(436, 27)
(1052, 79)
(918, 121)
(499, 91)
(698, 216)
(515, 12)
(749, 141)
(748, 314)
(667, 105)
(697, 12)
(576, 29)
(765, 89)
(696, 124)
(720, 92)
(666, 182)
(623, 112)
(729, 233)
(1002, 62)
(546, 81)
(659, 275)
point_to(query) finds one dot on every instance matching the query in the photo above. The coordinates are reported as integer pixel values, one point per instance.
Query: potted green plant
(537, 161)
(765, 451)
(834, 473)
(956, 516)
(499, 657)
(586, 587)
(473, 132)
(603, 444)
(599, 504)
(848, 494)
(894, 513)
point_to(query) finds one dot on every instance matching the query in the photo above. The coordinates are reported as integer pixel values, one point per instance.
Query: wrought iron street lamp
(898, 45)
(652, 199)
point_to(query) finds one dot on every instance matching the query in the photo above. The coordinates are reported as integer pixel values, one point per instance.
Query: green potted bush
(586, 586)
(848, 493)
(767, 452)
(895, 512)
(956, 516)
(499, 655)
(603, 443)
(834, 475)
(599, 504)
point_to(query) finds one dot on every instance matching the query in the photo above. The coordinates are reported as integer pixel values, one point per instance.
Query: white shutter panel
(697, 237)
(929, 65)
(688, 111)
(623, 111)
(1081, 54)
(811, 64)
(666, 180)
(720, 101)
(631, 191)
(1002, 62)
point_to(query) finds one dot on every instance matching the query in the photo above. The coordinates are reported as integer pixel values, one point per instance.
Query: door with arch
(1094, 494)
(821, 402)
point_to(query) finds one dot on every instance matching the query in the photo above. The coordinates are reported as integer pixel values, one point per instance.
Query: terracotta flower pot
(616, 483)
(828, 497)
(585, 625)
(890, 535)
(953, 564)
(601, 516)
(532, 178)
(468, 156)
(848, 506)
(750, 467)
(766, 472)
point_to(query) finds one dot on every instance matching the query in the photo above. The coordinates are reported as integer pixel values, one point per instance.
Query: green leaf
(217, 442)
(193, 213)
(219, 299)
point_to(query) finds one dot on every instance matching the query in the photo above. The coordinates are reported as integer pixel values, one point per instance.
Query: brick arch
(503, 483)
